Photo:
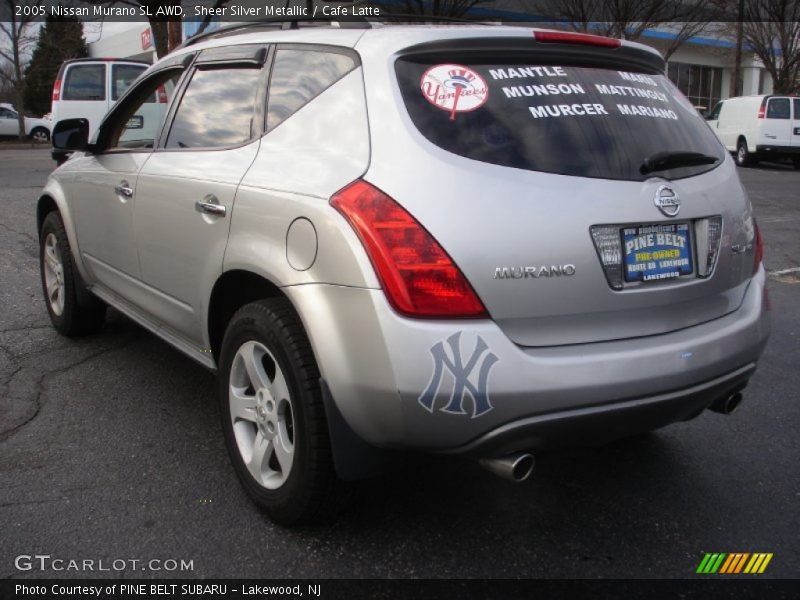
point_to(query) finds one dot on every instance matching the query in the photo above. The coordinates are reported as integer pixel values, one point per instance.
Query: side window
(217, 109)
(85, 82)
(797, 109)
(7, 114)
(778, 108)
(714, 115)
(298, 76)
(138, 125)
(122, 76)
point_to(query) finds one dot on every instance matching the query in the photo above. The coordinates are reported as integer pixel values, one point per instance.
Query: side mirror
(71, 135)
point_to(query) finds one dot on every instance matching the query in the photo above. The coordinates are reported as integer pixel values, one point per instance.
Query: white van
(758, 127)
(88, 87)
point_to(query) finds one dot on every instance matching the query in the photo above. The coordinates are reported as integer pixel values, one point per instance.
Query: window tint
(586, 122)
(778, 108)
(139, 125)
(7, 114)
(122, 76)
(85, 82)
(217, 109)
(797, 109)
(298, 76)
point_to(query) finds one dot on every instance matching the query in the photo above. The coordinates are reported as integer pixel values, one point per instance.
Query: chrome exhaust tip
(726, 406)
(514, 467)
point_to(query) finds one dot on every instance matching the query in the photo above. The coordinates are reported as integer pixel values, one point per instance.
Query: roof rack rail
(296, 23)
(277, 23)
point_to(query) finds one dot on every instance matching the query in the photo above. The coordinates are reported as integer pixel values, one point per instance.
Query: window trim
(259, 106)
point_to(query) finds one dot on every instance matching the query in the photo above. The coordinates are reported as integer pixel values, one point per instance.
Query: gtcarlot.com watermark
(47, 562)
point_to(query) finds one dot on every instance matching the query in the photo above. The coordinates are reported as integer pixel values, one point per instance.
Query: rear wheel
(273, 417)
(743, 156)
(61, 283)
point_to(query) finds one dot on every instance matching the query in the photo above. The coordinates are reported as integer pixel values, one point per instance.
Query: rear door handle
(210, 205)
(124, 189)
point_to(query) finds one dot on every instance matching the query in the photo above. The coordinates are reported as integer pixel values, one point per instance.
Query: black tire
(796, 162)
(40, 135)
(311, 491)
(80, 313)
(744, 158)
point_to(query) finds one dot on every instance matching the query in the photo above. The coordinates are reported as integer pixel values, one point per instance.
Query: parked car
(483, 241)
(759, 128)
(37, 130)
(88, 87)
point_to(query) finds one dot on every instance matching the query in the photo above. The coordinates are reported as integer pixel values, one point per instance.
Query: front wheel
(273, 416)
(61, 282)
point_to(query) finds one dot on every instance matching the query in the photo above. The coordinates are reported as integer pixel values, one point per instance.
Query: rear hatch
(582, 196)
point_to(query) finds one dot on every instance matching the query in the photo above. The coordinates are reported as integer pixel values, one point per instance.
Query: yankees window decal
(454, 88)
(461, 373)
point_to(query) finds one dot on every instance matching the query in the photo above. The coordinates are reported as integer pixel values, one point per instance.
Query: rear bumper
(604, 423)
(392, 392)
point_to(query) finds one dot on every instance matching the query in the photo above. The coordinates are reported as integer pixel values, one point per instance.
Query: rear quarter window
(569, 120)
(85, 82)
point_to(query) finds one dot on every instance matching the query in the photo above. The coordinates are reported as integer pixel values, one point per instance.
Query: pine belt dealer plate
(657, 252)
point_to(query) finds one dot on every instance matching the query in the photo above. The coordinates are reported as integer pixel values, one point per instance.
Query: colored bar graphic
(734, 563)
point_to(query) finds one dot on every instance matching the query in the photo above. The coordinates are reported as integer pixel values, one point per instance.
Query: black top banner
(506, 11)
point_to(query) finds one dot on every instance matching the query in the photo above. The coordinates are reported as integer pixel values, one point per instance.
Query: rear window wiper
(669, 160)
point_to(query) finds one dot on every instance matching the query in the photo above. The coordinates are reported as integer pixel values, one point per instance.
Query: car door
(777, 128)
(796, 123)
(9, 123)
(102, 186)
(186, 191)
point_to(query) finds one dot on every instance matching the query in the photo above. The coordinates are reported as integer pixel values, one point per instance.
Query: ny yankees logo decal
(462, 377)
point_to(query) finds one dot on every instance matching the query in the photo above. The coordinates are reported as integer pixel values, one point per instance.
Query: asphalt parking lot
(110, 448)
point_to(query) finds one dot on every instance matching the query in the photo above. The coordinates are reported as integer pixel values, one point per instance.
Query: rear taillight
(759, 253)
(57, 90)
(417, 276)
(583, 39)
(161, 94)
(762, 110)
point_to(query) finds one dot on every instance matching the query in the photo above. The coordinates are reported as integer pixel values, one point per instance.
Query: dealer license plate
(657, 252)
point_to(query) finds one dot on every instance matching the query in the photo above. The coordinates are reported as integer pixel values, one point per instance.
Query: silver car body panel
(558, 344)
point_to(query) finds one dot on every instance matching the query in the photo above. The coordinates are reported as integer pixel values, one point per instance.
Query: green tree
(59, 39)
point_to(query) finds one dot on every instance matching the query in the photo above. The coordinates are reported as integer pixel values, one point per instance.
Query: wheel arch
(45, 206)
(232, 290)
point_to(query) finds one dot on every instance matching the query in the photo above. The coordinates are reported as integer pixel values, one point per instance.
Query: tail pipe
(514, 467)
(727, 405)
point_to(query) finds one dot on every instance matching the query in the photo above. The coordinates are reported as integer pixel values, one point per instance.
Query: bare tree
(771, 28)
(453, 9)
(629, 19)
(17, 35)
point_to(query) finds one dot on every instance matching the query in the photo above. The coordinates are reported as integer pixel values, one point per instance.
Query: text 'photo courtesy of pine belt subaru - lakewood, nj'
(477, 240)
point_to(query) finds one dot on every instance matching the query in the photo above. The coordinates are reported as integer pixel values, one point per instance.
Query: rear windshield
(85, 82)
(568, 120)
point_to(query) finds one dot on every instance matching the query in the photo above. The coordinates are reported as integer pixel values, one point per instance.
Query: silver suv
(479, 240)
